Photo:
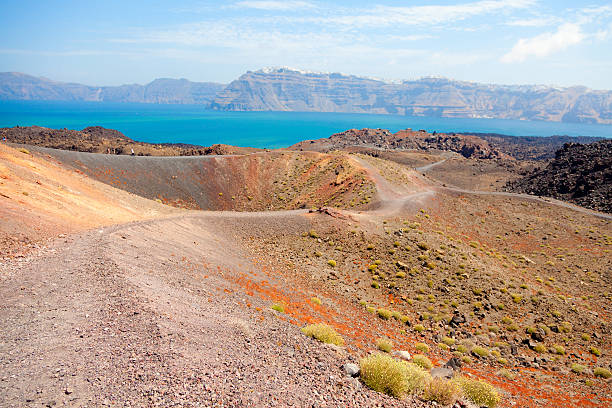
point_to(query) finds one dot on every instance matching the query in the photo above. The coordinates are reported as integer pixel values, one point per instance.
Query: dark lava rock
(579, 173)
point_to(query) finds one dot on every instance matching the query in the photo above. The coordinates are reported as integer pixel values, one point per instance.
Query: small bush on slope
(442, 391)
(479, 392)
(384, 345)
(422, 361)
(397, 378)
(324, 333)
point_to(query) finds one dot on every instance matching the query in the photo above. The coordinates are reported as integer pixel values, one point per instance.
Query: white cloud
(545, 44)
(427, 15)
(533, 22)
(274, 5)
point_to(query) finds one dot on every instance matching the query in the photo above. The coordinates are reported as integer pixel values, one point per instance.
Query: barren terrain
(137, 303)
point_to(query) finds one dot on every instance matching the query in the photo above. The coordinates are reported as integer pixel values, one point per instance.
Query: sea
(193, 124)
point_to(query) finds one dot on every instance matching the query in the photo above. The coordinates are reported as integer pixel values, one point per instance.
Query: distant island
(285, 89)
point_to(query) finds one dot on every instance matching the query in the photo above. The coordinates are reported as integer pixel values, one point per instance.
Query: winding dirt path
(148, 314)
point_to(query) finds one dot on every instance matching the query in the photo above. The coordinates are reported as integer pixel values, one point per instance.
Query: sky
(111, 42)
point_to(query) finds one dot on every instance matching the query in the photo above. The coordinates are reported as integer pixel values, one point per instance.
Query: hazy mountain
(14, 85)
(286, 89)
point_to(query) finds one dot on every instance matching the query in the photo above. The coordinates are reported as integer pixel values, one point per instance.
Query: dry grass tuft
(479, 392)
(324, 333)
(441, 391)
(384, 345)
(422, 361)
(382, 373)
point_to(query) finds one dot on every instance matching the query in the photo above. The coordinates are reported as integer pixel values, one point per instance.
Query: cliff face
(579, 173)
(17, 86)
(290, 90)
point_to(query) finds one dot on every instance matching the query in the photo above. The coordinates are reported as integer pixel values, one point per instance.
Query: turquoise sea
(195, 125)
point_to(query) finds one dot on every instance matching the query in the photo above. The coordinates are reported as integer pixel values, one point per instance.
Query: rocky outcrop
(17, 86)
(286, 89)
(531, 147)
(467, 145)
(579, 173)
(96, 139)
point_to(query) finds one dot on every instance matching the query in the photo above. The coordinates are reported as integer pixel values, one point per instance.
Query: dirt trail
(394, 197)
(146, 314)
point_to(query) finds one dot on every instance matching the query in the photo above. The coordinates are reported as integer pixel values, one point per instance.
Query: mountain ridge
(287, 89)
(19, 86)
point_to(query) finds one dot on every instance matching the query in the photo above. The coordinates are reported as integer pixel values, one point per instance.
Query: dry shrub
(442, 391)
(397, 378)
(422, 361)
(324, 333)
(384, 345)
(479, 392)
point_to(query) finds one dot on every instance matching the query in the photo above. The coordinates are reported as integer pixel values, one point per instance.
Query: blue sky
(134, 41)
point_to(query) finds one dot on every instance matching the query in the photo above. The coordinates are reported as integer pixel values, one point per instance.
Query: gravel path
(145, 314)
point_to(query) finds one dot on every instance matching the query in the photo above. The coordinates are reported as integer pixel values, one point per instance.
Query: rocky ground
(176, 309)
(579, 173)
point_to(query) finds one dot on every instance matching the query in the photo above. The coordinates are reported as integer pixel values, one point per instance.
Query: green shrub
(382, 373)
(577, 368)
(331, 263)
(278, 307)
(602, 372)
(595, 351)
(480, 351)
(466, 360)
(315, 300)
(324, 333)
(419, 328)
(506, 374)
(558, 349)
(375, 285)
(441, 391)
(24, 150)
(422, 347)
(540, 348)
(422, 361)
(384, 313)
(585, 337)
(448, 341)
(384, 345)
(479, 392)
(462, 349)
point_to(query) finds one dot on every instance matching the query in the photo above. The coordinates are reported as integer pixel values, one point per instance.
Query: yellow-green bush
(422, 361)
(385, 374)
(422, 347)
(479, 392)
(577, 368)
(602, 372)
(384, 313)
(278, 307)
(324, 333)
(384, 345)
(442, 391)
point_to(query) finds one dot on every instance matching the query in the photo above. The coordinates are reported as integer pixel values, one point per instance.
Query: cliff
(285, 89)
